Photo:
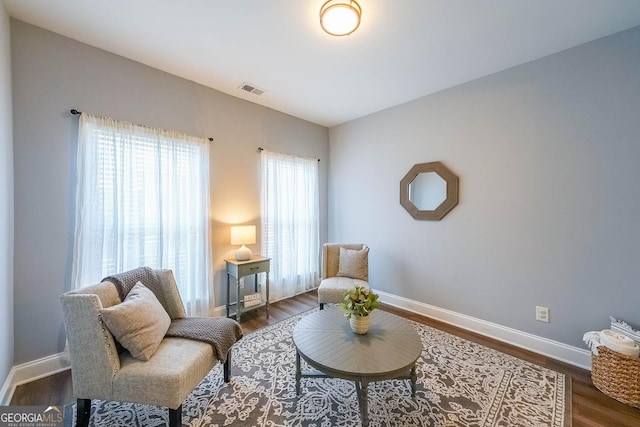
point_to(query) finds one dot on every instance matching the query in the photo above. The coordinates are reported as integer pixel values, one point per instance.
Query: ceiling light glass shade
(340, 17)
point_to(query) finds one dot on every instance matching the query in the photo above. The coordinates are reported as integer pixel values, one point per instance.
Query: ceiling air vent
(248, 87)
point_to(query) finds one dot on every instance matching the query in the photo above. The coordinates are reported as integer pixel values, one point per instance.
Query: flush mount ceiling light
(340, 17)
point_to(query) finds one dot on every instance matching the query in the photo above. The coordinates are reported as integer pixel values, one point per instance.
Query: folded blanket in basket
(592, 339)
(619, 343)
(613, 341)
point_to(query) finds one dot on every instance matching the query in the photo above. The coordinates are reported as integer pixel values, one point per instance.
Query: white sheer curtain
(143, 200)
(290, 222)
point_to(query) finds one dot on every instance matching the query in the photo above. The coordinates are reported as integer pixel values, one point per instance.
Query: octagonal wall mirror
(429, 191)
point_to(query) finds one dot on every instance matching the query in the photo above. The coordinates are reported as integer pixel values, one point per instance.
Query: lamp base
(243, 254)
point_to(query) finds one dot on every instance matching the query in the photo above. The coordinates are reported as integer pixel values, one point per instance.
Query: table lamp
(243, 235)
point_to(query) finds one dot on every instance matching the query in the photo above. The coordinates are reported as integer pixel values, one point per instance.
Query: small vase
(359, 324)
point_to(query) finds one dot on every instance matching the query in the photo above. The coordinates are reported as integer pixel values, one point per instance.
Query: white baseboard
(32, 371)
(554, 349)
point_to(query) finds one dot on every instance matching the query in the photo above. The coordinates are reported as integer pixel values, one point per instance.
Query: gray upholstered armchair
(174, 366)
(343, 266)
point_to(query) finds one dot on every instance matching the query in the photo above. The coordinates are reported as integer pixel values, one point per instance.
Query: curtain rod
(77, 113)
(260, 149)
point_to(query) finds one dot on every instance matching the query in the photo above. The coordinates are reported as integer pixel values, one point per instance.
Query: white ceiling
(404, 49)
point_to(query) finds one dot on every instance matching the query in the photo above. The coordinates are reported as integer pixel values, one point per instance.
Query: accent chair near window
(343, 267)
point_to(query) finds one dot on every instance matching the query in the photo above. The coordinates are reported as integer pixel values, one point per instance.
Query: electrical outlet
(542, 314)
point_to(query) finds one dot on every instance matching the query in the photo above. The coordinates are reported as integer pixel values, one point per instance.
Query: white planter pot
(360, 324)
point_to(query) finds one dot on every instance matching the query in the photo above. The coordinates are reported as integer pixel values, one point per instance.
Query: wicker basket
(617, 376)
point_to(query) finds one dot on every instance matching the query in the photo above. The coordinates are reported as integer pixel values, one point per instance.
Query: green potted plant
(358, 303)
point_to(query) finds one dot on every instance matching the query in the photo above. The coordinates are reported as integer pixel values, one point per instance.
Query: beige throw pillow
(138, 323)
(354, 263)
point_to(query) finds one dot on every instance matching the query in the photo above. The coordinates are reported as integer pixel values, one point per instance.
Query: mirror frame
(449, 202)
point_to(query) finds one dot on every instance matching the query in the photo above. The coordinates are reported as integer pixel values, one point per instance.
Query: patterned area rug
(460, 383)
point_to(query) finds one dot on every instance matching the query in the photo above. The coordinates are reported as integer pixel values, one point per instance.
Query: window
(143, 200)
(290, 222)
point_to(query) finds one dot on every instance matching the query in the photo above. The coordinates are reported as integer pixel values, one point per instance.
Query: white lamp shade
(243, 235)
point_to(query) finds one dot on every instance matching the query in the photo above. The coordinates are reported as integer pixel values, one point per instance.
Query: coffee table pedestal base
(362, 385)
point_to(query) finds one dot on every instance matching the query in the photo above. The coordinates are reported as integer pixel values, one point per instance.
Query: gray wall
(548, 157)
(6, 201)
(52, 74)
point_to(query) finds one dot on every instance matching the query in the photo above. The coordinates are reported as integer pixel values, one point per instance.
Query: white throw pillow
(138, 323)
(354, 263)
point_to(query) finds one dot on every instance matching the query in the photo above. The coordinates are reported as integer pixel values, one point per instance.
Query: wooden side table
(238, 269)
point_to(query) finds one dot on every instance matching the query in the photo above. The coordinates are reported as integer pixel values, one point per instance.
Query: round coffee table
(389, 350)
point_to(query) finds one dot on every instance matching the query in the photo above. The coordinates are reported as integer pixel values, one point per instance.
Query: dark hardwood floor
(589, 406)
